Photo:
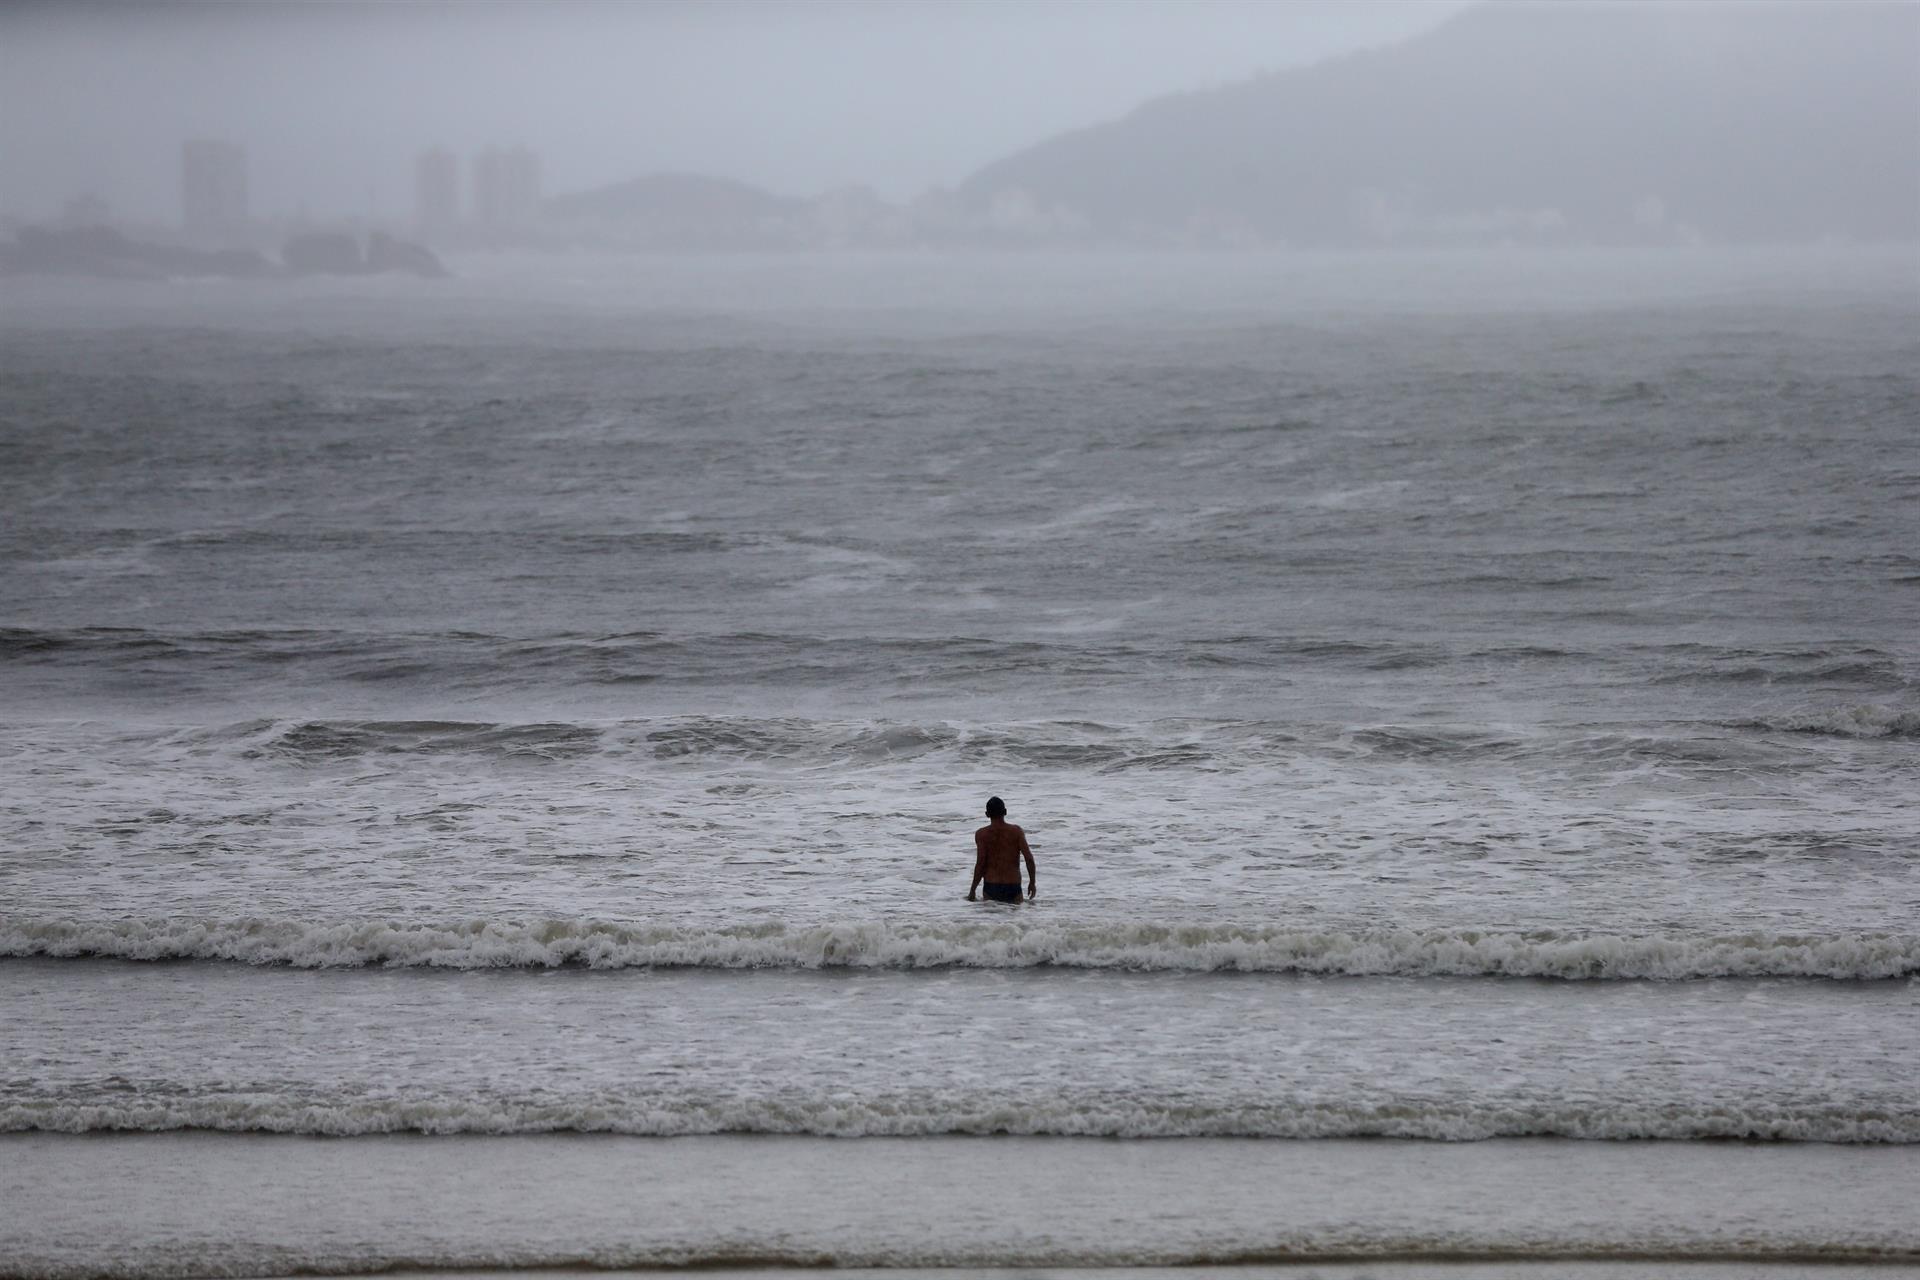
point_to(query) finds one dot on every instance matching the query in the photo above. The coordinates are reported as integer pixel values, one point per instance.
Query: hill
(1513, 121)
(681, 210)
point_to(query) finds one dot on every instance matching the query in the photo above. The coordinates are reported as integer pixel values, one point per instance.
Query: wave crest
(918, 1115)
(924, 1114)
(1865, 721)
(494, 944)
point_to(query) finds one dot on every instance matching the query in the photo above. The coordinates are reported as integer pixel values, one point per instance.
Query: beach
(259, 1204)
(488, 767)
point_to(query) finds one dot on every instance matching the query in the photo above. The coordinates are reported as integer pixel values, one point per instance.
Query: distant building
(506, 189)
(213, 187)
(436, 190)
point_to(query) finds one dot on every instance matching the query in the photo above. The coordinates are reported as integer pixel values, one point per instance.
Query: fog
(529, 531)
(672, 125)
(334, 101)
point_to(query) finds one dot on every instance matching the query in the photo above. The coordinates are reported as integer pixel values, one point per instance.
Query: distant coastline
(103, 252)
(1508, 125)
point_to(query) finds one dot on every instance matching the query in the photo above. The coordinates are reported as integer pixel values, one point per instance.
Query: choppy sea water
(1471, 705)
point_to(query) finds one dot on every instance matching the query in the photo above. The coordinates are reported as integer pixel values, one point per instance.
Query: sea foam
(926, 1114)
(484, 944)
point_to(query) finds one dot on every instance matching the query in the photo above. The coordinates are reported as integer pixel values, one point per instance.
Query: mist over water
(334, 103)
(526, 723)
(1384, 638)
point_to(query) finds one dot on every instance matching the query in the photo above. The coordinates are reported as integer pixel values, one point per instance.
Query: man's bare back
(998, 849)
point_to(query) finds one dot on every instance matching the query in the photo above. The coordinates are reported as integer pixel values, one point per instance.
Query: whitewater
(529, 731)
(1202, 948)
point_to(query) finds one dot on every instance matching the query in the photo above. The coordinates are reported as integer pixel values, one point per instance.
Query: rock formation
(103, 253)
(384, 253)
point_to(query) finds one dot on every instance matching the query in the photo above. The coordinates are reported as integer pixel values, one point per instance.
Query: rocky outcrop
(324, 253)
(384, 253)
(335, 253)
(103, 253)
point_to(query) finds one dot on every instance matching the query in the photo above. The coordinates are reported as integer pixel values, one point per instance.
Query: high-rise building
(506, 188)
(213, 187)
(436, 190)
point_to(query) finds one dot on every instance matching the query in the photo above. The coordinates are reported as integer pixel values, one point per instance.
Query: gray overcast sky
(334, 100)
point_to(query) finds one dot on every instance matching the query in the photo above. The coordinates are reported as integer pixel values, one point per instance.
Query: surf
(1113, 945)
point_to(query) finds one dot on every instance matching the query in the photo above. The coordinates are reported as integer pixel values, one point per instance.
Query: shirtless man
(997, 850)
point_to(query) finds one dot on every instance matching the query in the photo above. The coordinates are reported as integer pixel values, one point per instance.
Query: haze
(333, 102)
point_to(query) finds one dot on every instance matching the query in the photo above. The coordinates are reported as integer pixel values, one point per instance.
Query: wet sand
(251, 1204)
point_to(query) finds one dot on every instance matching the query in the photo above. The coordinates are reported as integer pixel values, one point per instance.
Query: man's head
(996, 807)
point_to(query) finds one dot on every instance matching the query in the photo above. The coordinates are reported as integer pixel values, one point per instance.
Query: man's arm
(979, 865)
(1033, 882)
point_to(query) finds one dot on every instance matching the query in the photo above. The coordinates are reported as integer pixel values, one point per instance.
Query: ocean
(487, 767)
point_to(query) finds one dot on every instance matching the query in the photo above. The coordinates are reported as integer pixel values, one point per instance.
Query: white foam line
(1128, 946)
(920, 1116)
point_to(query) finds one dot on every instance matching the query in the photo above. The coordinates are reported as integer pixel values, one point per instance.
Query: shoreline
(253, 1205)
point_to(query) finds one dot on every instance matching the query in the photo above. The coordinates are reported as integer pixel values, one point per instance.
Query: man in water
(997, 850)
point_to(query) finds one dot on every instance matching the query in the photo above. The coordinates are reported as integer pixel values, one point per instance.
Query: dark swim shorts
(1002, 892)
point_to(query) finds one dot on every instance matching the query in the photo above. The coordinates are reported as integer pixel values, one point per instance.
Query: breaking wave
(1208, 746)
(169, 663)
(498, 944)
(1865, 721)
(1288, 1249)
(923, 1115)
